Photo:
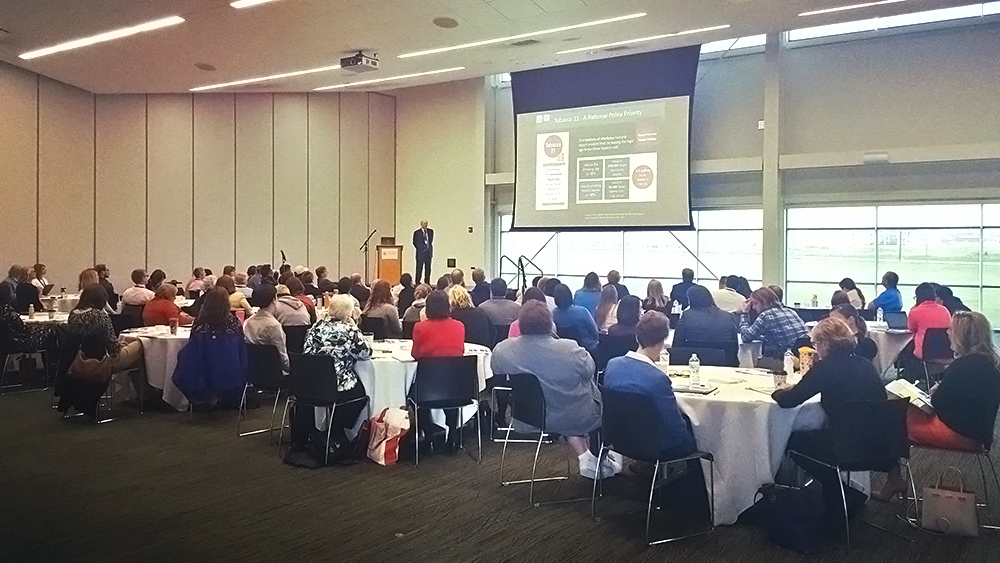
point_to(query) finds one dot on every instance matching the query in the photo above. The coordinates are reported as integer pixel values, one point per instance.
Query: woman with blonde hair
(88, 278)
(478, 329)
(965, 401)
(655, 299)
(237, 301)
(606, 313)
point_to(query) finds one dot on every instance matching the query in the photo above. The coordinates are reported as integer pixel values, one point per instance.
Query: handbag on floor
(792, 516)
(949, 509)
(386, 431)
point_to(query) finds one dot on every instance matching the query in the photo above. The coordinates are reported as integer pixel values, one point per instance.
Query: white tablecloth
(160, 349)
(889, 347)
(43, 317)
(746, 431)
(748, 354)
(61, 304)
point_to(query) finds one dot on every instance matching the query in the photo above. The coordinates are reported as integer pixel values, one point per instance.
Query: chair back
(408, 329)
(867, 314)
(730, 349)
(295, 338)
(68, 346)
(264, 363)
(375, 325)
(527, 402)
(708, 356)
(194, 294)
(312, 379)
(613, 346)
(869, 435)
(132, 311)
(809, 315)
(446, 382)
(124, 322)
(631, 425)
(569, 333)
(500, 333)
(937, 345)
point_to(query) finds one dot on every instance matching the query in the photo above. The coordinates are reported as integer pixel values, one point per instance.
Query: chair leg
(284, 415)
(843, 498)
(534, 465)
(996, 482)
(593, 493)
(479, 435)
(649, 507)
(242, 410)
(274, 409)
(329, 430)
(503, 455)
(913, 491)
(416, 427)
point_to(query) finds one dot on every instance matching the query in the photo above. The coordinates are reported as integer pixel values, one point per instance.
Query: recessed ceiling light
(102, 37)
(204, 66)
(851, 7)
(247, 3)
(400, 77)
(520, 36)
(592, 48)
(445, 22)
(264, 78)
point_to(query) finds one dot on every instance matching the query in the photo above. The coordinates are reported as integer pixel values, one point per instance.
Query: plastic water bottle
(31, 311)
(815, 301)
(789, 362)
(694, 365)
(62, 293)
(878, 315)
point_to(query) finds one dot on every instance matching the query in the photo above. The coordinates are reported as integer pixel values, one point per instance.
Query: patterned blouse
(233, 326)
(16, 336)
(96, 322)
(344, 343)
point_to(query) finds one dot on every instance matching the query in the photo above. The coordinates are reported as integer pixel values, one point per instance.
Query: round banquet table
(889, 346)
(61, 304)
(160, 349)
(43, 318)
(744, 429)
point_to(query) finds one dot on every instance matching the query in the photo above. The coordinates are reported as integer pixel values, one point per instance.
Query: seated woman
(89, 277)
(215, 316)
(589, 295)
(534, 294)
(336, 336)
(18, 337)
(477, 324)
(380, 306)
(565, 372)
(207, 284)
(655, 299)
(308, 280)
(703, 323)
(196, 283)
(857, 299)
(298, 291)
(838, 376)
(965, 402)
(438, 336)
(37, 276)
(156, 279)
(946, 297)
(161, 308)
(573, 319)
(778, 327)
(405, 296)
(628, 313)
(925, 315)
(344, 286)
(237, 301)
(866, 347)
(412, 313)
(606, 313)
(211, 368)
(27, 294)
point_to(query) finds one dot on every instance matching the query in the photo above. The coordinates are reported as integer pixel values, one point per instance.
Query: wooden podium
(390, 262)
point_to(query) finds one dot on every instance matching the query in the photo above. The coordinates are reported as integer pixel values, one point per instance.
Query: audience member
(8, 287)
(38, 280)
(926, 314)
(207, 284)
(606, 313)
(298, 291)
(215, 316)
(86, 278)
(627, 317)
(138, 295)
(26, 294)
(289, 310)
(476, 322)
(196, 283)
(615, 280)
(358, 289)
(565, 372)
(857, 299)
(284, 277)
(323, 281)
(412, 313)
(16, 336)
(778, 292)
(965, 402)
(532, 294)
(237, 301)
(500, 310)
(947, 298)
(103, 277)
(723, 280)
(636, 372)
(727, 298)
(655, 299)
(404, 297)
(574, 321)
(458, 277)
(229, 271)
(256, 277)
(589, 296)
(284, 269)
(90, 318)
(161, 308)
(840, 297)
(380, 306)
(439, 335)
(240, 279)
(481, 291)
(890, 300)
(866, 347)
(443, 283)
(740, 285)
(704, 323)
(263, 328)
(778, 327)
(155, 279)
(308, 282)
(549, 289)
(679, 293)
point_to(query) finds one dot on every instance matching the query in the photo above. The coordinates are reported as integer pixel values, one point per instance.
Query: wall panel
(169, 213)
(353, 181)
(214, 181)
(18, 170)
(65, 181)
(254, 180)
(120, 227)
(324, 181)
(382, 172)
(291, 179)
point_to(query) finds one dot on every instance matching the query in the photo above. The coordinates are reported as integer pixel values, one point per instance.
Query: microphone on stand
(283, 260)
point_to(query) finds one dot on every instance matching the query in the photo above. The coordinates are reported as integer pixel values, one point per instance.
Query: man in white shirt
(728, 299)
(263, 328)
(241, 284)
(138, 294)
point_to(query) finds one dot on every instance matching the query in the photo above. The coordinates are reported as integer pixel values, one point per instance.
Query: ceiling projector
(360, 62)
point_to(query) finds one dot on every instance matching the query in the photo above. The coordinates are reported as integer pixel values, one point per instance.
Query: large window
(954, 245)
(956, 13)
(726, 241)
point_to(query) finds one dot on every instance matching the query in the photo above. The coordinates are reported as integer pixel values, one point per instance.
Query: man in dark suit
(423, 242)
(679, 292)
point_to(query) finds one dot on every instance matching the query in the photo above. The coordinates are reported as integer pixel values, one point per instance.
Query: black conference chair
(613, 346)
(730, 349)
(938, 354)
(500, 333)
(708, 356)
(570, 333)
(374, 325)
(528, 406)
(630, 427)
(194, 294)
(408, 329)
(123, 322)
(446, 383)
(265, 374)
(865, 436)
(312, 382)
(867, 314)
(295, 338)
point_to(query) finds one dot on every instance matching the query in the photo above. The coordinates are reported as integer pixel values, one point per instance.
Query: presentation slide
(614, 165)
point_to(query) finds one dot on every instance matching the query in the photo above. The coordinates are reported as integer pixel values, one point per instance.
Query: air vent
(525, 43)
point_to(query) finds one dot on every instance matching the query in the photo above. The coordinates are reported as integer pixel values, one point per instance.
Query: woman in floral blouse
(215, 316)
(338, 338)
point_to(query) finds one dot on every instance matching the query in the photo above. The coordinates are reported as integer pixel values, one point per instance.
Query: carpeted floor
(171, 487)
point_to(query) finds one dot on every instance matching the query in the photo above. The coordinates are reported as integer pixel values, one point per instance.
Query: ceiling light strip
(102, 37)
(400, 77)
(643, 39)
(522, 36)
(247, 3)
(265, 78)
(851, 7)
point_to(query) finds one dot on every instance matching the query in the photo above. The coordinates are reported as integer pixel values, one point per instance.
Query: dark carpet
(172, 487)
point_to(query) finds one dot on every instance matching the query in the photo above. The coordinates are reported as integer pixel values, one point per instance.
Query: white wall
(173, 181)
(440, 152)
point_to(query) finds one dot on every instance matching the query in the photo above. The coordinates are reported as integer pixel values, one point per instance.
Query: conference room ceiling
(292, 35)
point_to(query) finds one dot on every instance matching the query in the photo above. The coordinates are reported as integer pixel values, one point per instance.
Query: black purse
(792, 517)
